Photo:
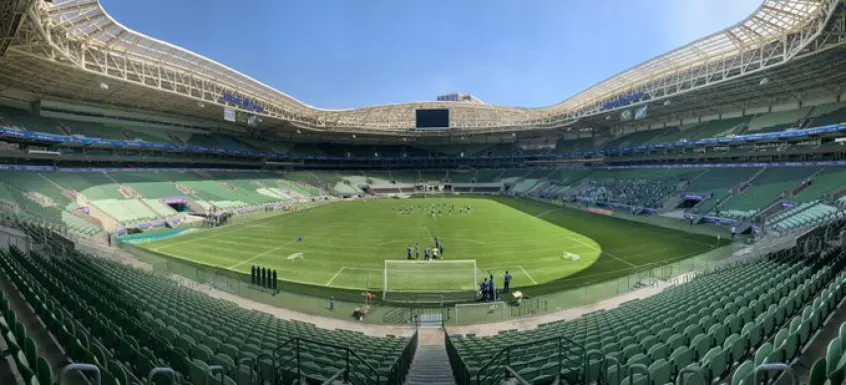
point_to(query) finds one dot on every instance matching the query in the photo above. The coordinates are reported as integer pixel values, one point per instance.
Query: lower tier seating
(127, 322)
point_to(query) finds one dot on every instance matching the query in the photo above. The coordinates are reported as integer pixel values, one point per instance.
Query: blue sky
(357, 53)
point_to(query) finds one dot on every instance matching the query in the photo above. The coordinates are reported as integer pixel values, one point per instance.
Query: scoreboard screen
(433, 118)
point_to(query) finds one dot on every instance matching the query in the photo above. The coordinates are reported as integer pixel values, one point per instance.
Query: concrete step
(430, 367)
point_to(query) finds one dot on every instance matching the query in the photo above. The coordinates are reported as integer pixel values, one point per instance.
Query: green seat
(762, 353)
(818, 372)
(700, 345)
(660, 372)
(715, 363)
(743, 373)
(681, 358)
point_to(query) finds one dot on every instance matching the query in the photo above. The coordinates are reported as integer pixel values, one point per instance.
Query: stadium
(166, 219)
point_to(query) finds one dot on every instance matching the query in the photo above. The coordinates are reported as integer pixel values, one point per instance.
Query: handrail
(588, 355)
(406, 356)
(516, 376)
(779, 367)
(641, 368)
(507, 351)
(161, 370)
(349, 352)
(680, 378)
(334, 377)
(209, 372)
(81, 368)
(616, 364)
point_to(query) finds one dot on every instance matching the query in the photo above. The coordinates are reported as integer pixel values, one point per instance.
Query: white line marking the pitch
(259, 255)
(545, 212)
(335, 276)
(527, 275)
(587, 244)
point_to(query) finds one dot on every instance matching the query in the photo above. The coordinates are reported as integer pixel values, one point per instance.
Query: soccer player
(409, 251)
(507, 288)
(417, 251)
(427, 253)
(493, 289)
(485, 289)
(434, 253)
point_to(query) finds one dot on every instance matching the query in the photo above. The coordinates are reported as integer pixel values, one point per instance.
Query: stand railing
(571, 357)
(290, 360)
(401, 365)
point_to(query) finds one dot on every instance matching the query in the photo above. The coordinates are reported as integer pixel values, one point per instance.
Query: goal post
(404, 277)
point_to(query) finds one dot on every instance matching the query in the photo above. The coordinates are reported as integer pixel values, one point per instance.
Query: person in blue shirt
(507, 288)
(486, 290)
(493, 289)
(428, 253)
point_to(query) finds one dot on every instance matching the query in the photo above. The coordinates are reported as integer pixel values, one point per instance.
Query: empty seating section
(828, 180)
(126, 211)
(409, 177)
(92, 185)
(432, 176)
(378, 177)
(202, 141)
(828, 115)
(154, 185)
(718, 182)
(777, 121)
(229, 143)
(134, 321)
(636, 138)
(765, 188)
(147, 135)
(488, 176)
(94, 130)
(804, 216)
(462, 176)
(24, 121)
(23, 349)
(574, 145)
(764, 309)
(712, 129)
(160, 209)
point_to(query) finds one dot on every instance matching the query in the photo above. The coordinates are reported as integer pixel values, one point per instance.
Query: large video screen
(433, 118)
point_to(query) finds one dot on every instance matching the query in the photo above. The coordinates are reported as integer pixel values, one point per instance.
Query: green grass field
(346, 245)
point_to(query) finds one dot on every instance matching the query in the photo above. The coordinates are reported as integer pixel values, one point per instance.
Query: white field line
(545, 212)
(589, 245)
(259, 255)
(527, 275)
(335, 276)
(208, 233)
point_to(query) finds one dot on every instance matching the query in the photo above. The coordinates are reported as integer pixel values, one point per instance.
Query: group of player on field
(435, 209)
(488, 291)
(433, 253)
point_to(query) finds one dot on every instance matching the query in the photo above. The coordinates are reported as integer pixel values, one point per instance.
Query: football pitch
(345, 246)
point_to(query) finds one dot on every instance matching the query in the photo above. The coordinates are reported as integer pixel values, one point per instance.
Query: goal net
(403, 278)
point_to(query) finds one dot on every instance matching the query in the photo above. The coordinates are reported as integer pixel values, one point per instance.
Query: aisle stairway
(431, 364)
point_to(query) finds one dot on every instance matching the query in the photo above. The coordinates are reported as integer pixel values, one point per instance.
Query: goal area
(430, 281)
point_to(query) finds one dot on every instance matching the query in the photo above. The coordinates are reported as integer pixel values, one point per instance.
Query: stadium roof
(99, 44)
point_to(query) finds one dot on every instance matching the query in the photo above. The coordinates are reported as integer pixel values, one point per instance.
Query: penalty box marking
(350, 268)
